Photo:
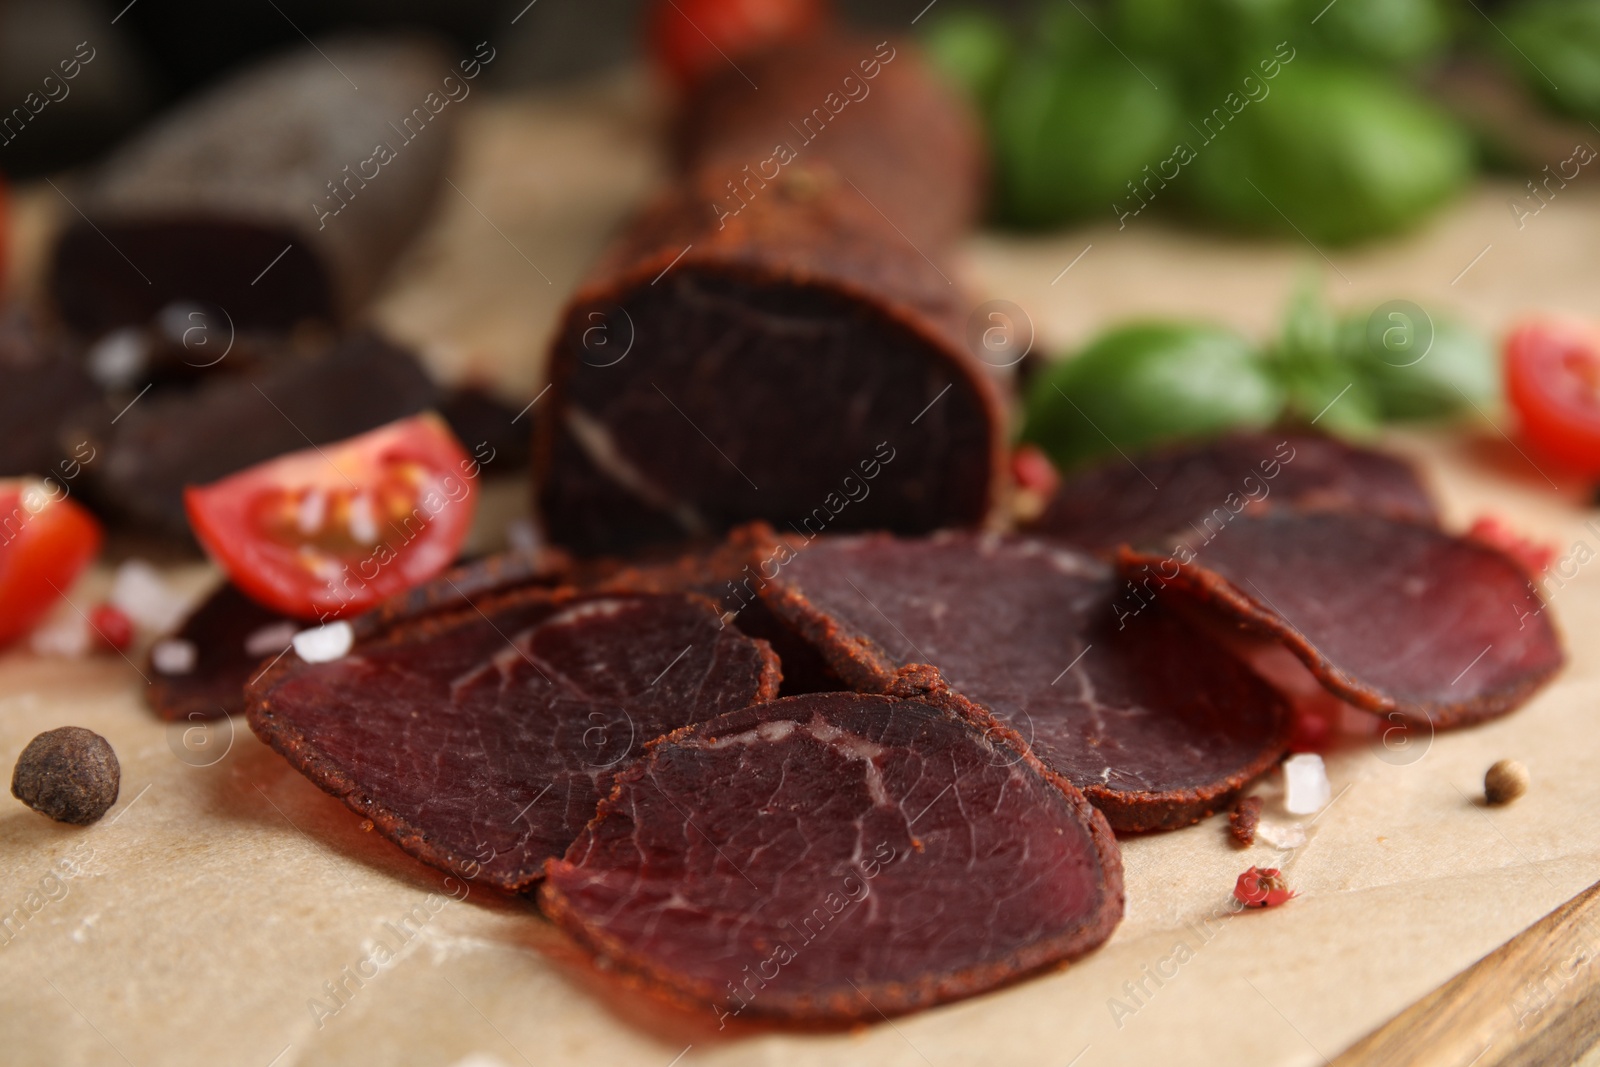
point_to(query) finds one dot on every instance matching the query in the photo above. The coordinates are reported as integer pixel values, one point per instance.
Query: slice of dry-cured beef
(1157, 724)
(835, 856)
(730, 574)
(1198, 488)
(482, 740)
(1391, 616)
(232, 637)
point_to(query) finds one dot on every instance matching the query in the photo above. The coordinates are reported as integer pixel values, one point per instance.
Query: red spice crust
(1242, 821)
(302, 754)
(915, 682)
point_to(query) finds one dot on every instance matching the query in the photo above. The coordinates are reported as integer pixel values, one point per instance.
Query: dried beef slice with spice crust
(1391, 616)
(1157, 724)
(1199, 487)
(482, 740)
(233, 638)
(728, 574)
(831, 856)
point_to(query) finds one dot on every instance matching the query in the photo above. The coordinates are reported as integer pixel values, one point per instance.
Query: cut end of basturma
(834, 856)
(1391, 616)
(800, 365)
(1204, 484)
(480, 741)
(1156, 723)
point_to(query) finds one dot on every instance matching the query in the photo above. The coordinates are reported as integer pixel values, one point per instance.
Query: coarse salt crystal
(324, 644)
(139, 592)
(174, 656)
(269, 639)
(1281, 835)
(1305, 781)
(117, 359)
(66, 635)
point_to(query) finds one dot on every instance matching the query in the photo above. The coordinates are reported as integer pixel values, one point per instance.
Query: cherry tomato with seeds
(1553, 381)
(330, 531)
(46, 541)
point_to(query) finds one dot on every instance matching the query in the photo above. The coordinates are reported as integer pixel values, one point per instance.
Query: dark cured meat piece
(800, 362)
(912, 147)
(1158, 725)
(480, 418)
(220, 627)
(726, 574)
(485, 738)
(729, 575)
(202, 204)
(831, 856)
(468, 583)
(794, 351)
(163, 443)
(219, 630)
(40, 385)
(1390, 616)
(1199, 487)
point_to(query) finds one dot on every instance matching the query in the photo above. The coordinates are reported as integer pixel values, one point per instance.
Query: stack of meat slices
(823, 778)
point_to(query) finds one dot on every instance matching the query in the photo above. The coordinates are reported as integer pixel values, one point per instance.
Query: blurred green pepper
(973, 48)
(1557, 41)
(1146, 382)
(1069, 135)
(1334, 153)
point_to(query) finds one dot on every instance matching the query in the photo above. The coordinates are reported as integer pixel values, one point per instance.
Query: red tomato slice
(331, 531)
(1553, 380)
(46, 540)
(692, 38)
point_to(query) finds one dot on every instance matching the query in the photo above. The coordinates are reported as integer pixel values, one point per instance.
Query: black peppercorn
(69, 774)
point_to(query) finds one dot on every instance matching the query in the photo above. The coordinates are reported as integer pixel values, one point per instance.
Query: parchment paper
(204, 919)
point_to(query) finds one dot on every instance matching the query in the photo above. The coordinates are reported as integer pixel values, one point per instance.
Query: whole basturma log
(283, 194)
(785, 347)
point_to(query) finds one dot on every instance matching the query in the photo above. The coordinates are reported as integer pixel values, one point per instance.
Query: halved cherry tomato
(330, 531)
(1553, 380)
(46, 540)
(691, 38)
